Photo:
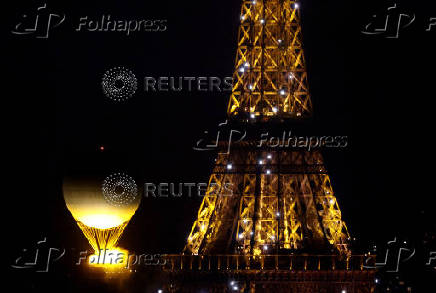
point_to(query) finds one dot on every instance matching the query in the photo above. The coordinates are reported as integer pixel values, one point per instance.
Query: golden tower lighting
(269, 200)
(281, 198)
(270, 220)
(270, 77)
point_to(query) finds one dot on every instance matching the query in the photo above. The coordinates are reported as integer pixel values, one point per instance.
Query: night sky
(377, 91)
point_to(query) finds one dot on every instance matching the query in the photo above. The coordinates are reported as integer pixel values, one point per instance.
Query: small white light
(268, 172)
(232, 283)
(250, 86)
(242, 17)
(229, 166)
(241, 235)
(278, 214)
(245, 221)
(251, 233)
(274, 109)
(262, 21)
(291, 75)
(260, 162)
(265, 247)
(159, 291)
(280, 41)
(246, 64)
(332, 201)
(376, 281)
(242, 69)
(254, 2)
(269, 156)
(252, 116)
(235, 288)
(298, 114)
(282, 92)
(273, 237)
(296, 6)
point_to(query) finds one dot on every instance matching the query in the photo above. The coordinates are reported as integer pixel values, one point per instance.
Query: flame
(101, 221)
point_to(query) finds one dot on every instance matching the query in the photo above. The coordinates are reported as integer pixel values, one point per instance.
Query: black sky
(377, 91)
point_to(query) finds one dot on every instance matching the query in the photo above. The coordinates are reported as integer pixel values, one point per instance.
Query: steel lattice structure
(270, 78)
(269, 220)
(261, 201)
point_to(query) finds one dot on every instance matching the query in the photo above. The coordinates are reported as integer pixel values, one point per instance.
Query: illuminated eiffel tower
(279, 197)
(270, 75)
(269, 220)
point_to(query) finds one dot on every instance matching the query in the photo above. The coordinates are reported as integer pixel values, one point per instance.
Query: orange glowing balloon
(102, 209)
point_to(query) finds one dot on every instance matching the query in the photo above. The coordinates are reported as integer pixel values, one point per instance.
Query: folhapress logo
(42, 21)
(392, 21)
(38, 24)
(108, 24)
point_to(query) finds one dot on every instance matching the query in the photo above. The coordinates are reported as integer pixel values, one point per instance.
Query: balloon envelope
(100, 219)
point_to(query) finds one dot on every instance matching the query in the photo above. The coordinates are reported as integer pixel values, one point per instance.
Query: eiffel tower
(269, 220)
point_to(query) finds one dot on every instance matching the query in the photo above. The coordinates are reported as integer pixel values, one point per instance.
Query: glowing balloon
(102, 209)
